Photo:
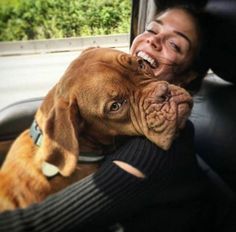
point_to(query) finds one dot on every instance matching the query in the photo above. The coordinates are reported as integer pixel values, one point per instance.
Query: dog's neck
(87, 142)
(91, 150)
(90, 144)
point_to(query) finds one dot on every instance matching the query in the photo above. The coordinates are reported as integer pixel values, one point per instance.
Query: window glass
(45, 19)
(40, 38)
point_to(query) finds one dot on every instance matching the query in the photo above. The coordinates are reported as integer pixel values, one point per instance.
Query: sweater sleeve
(99, 199)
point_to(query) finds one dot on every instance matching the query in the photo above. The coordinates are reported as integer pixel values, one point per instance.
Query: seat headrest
(222, 31)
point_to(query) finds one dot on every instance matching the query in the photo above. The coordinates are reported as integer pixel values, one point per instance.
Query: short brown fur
(77, 116)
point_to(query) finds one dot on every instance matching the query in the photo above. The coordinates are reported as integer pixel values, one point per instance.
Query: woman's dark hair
(200, 64)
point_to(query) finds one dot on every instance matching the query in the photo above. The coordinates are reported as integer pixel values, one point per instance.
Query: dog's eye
(115, 106)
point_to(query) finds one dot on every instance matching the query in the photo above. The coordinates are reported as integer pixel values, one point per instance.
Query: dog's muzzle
(165, 105)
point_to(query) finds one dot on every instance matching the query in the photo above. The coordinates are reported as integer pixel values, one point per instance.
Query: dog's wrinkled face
(118, 94)
(105, 93)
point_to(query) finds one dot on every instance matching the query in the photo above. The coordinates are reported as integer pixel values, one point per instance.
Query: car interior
(214, 111)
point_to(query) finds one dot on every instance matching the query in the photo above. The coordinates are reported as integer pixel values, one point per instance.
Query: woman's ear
(60, 146)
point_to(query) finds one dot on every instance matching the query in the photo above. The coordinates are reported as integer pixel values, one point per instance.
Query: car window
(39, 38)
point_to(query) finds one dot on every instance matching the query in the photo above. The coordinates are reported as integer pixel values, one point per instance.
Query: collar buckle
(36, 133)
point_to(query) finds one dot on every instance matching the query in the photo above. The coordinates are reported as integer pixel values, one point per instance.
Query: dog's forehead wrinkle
(91, 104)
(114, 68)
(108, 82)
(106, 55)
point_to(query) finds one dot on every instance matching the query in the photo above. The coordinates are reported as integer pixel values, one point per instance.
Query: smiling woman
(171, 44)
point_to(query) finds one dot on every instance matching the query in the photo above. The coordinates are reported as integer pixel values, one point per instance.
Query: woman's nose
(155, 42)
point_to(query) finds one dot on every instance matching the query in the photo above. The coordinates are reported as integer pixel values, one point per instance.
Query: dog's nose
(162, 92)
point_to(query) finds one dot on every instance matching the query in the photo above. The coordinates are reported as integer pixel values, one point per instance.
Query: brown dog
(103, 93)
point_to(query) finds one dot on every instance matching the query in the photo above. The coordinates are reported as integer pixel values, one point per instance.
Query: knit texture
(112, 195)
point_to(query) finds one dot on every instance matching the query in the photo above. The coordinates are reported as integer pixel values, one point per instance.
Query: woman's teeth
(147, 58)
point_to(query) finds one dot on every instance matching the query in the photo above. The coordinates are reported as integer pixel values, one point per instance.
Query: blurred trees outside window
(45, 19)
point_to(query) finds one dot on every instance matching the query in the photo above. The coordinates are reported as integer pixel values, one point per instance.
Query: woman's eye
(174, 46)
(152, 28)
(151, 31)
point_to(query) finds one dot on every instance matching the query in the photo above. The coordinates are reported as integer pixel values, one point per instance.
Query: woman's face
(171, 39)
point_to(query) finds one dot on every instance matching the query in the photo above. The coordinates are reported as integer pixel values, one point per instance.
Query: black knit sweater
(170, 196)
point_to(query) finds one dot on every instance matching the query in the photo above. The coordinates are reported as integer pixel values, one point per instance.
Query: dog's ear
(60, 146)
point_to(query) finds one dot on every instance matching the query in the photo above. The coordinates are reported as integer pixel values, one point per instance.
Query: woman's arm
(98, 200)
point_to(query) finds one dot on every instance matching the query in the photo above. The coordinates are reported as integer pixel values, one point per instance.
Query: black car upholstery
(14, 119)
